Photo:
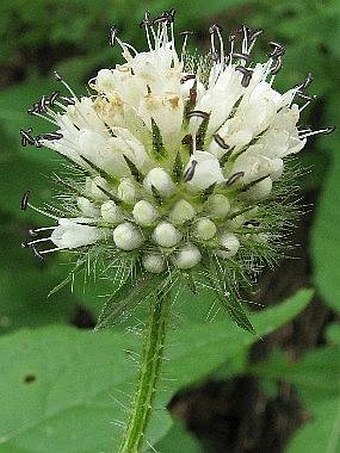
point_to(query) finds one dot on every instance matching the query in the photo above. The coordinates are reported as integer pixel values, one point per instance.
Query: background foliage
(65, 388)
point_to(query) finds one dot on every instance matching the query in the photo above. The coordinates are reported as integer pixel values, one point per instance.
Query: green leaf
(325, 238)
(316, 378)
(178, 438)
(60, 386)
(59, 389)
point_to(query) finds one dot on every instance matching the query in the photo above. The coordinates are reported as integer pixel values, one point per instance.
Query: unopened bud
(127, 191)
(188, 257)
(161, 181)
(154, 263)
(166, 235)
(230, 245)
(144, 213)
(182, 212)
(127, 236)
(87, 208)
(205, 229)
(218, 205)
(111, 212)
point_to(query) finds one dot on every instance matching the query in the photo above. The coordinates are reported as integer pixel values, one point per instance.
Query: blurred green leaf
(59, 389)
(60, 386)
(177, 439)
(316, 378)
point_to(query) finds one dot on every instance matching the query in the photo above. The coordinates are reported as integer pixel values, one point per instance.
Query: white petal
(207, 170)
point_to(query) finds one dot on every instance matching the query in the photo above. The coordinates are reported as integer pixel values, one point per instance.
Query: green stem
(149, 372)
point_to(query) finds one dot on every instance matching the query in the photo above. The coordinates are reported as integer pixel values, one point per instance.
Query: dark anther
(24, 200)
(188, 77)
(254, 223)
(254, 33)
(37, 254)
(186, 32)
(277, 49)
(26, 138)
(308, 80)
(240, 56)
(163, 18)
(277, 65)
(51, 136)
(215, 28)
(113, 32)
(198, 113)
(231, 38)
(67, 100)
(146, 22)
(247, 75)
(235, 177)
(189, 174)
(43, 104)
(219, 140)
(54, 96)
(170, 15)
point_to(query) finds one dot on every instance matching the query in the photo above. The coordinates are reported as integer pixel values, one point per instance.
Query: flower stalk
(149, 372)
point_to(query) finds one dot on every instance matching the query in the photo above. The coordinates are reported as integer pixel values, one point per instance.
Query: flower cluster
(178, 166)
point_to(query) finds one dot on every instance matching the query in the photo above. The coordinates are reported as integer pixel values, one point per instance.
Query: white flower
(74, 233)
(176, 164)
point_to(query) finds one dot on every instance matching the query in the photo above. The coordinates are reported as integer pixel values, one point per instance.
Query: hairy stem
(149, 372)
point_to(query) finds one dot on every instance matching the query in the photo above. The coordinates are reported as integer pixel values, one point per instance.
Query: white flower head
(175, 165)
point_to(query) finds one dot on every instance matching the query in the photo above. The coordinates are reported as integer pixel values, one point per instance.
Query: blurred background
(39, 36)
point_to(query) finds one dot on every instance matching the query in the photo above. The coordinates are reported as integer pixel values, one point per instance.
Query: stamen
(241, 56)
(253, 35)
(66, 85)
(231, 50)
(277, 65)
(277, 50)
(44, 252)
(186, 34)
(53, 98)
(34, 231)
(244, 31)
(25, 204)
(189, 174)
(26, 138)
(198, 113)
(308, 80)
(24, 200)
(37, 241)
(113, 32)
(325, 131)
(51, 136)
(37, 254)
(146, 23)
(247, 75)
(68, 100)
(235, 177)
(219, 140)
